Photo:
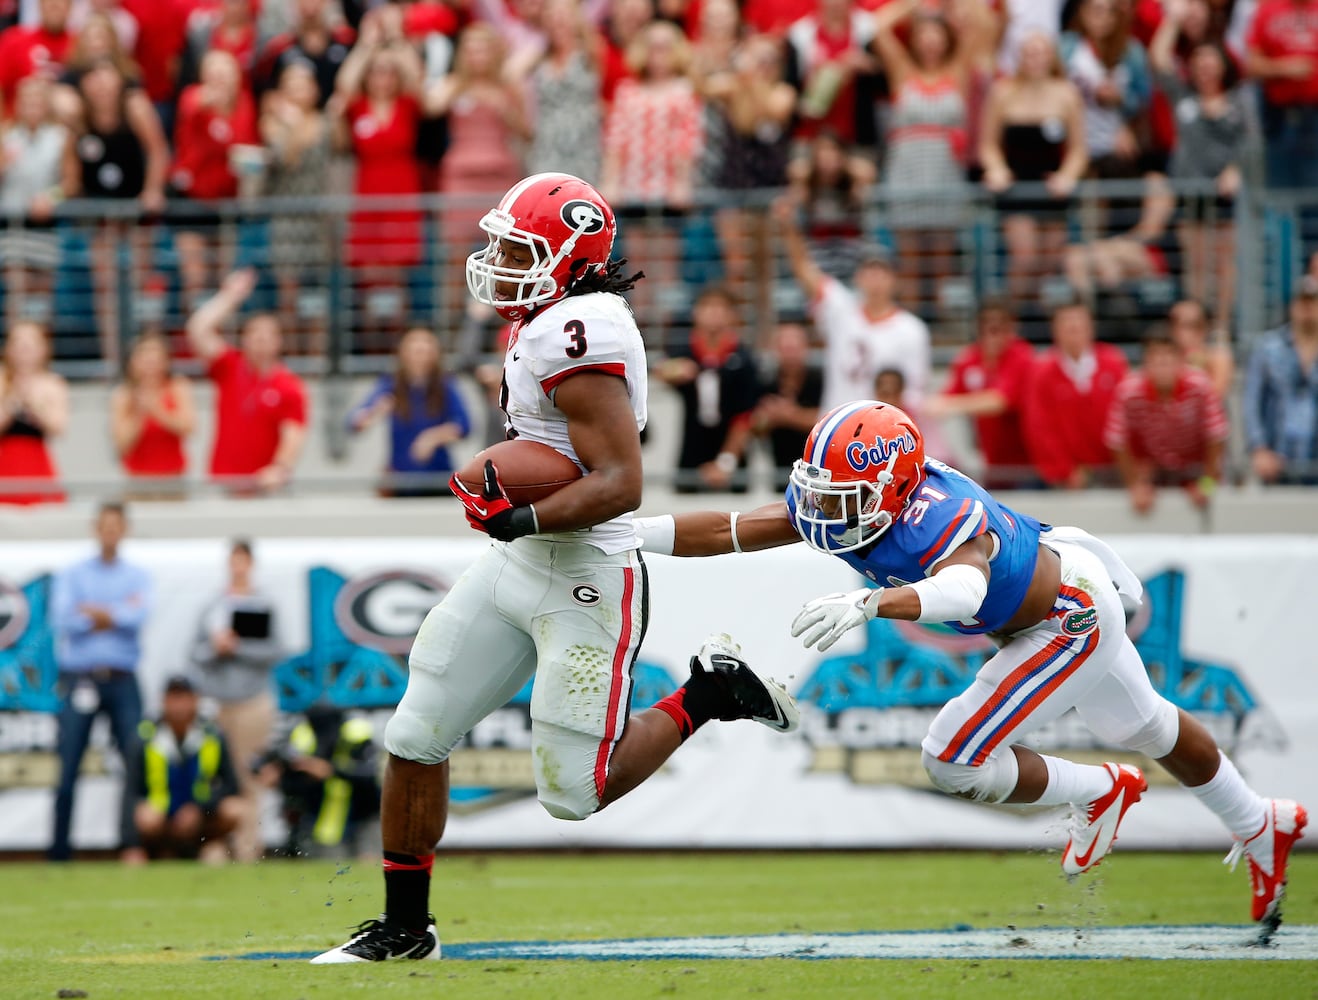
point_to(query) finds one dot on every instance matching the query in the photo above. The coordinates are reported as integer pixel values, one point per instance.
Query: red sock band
(673, 708)
(412, 863)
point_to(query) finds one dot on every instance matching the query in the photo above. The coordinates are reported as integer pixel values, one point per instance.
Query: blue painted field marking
(1159, 942)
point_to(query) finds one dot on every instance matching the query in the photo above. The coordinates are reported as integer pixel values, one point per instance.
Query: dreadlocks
(605, 279)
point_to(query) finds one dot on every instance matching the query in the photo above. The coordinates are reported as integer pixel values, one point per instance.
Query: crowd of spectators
(659, 104)
(877, 117)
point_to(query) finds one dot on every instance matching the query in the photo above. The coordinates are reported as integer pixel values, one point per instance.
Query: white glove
(826, 619)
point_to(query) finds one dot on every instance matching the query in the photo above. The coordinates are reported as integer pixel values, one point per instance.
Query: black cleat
(748, 694)
(379, 940)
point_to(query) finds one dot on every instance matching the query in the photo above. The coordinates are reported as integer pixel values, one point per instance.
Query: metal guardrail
(380, 264)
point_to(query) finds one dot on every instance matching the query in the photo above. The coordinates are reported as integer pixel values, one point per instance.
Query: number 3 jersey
(948, 510)
(581, 333)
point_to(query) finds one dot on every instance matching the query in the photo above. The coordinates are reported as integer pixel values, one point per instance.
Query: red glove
(491, 511)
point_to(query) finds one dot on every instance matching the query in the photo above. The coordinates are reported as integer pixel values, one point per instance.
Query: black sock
(407, 889)
(693, 704)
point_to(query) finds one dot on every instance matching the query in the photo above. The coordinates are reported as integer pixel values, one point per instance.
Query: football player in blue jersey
(938, 548)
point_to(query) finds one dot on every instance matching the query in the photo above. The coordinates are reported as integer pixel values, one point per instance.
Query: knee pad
(408, 736)
(561, 805)
(572, 800)
(1156, 737)
(564, 763)
(991, 781)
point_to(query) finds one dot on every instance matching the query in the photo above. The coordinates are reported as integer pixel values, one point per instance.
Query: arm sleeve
(294, 405)
(133, 612)
(65, 616)
(1014, 379)
(223, 363)
(956, 380)
(828, 306)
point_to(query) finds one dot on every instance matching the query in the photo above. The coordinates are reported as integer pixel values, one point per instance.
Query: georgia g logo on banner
(14, 613)
(384, 610)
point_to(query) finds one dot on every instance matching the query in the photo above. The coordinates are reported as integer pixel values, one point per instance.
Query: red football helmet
(862, 463)
(568, 228)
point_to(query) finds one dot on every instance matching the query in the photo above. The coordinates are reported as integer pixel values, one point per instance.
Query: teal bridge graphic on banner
(336, 671)
(27, 667)
(895, 671)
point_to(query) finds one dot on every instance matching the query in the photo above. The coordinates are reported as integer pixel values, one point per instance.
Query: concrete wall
(334, 497)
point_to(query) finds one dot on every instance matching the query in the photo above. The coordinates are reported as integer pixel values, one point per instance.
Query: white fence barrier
(1224, 632)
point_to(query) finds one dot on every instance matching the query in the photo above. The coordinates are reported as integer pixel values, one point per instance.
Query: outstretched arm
(807, 272)
(716, 532)
(205, 326)
(953, 593)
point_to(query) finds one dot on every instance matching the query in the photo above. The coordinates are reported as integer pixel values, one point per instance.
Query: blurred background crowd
(1078, 239)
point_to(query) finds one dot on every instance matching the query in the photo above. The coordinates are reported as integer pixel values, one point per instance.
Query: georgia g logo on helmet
(582, 216)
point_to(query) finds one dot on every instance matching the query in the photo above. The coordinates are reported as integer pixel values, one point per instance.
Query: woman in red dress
(377, 111)
(214, 117)
(151, 413)
(34, 406)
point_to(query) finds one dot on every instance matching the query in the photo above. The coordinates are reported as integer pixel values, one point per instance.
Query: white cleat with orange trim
(1268, 851)
(1094, 828)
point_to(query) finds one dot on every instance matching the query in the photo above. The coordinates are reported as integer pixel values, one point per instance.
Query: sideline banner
(1222, 632)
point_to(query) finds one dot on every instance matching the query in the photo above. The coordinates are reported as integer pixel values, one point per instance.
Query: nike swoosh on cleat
(1083, 859)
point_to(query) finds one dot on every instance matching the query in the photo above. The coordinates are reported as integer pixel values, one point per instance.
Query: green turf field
(117, 932)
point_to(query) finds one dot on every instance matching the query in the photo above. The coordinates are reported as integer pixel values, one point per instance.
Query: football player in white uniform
(562, 593)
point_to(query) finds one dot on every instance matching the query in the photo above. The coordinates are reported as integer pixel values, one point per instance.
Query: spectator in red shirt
(1166, 426)
(161, 38)
(774, 17)
(989, 381)
(214, 116)
(151, 412)
(40, 49)
(227, 26)
(1283, 55)
(260, 406)
(1067, 402)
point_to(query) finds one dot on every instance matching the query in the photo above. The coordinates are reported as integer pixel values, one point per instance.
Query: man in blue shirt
(98, 608)
(1280, 401)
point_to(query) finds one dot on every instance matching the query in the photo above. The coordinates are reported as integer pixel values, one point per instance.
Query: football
(529, 471)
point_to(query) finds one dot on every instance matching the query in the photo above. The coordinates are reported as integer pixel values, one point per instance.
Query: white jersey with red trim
(860, 346)
(581, 333)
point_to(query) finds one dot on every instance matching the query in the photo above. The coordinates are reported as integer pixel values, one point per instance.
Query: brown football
(529, 471)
